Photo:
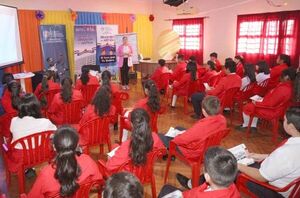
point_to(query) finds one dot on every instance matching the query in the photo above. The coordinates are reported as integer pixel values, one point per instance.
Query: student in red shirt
(142, 141)
(181, 88)
(180, 68)
(48, 83)
(69, 168)
(123, 184)
(67, 95)
(283, 62)
(86, 79)
(281, 94)
(230, 81)
(157, 74)
(239, 60)
(220, 170)
(212, 123)
(214, 57)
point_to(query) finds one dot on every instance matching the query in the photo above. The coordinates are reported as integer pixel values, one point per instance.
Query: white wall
(220, 27)
(112, 6)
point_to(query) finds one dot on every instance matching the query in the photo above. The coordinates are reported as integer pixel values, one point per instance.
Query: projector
(174, 3)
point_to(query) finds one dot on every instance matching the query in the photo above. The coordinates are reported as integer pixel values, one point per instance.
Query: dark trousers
(196, 101)
(124, 72)
(167, 189)
(166, 140)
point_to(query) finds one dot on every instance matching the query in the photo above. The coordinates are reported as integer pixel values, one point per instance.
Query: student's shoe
(253, 129)
(115, 126)
(123, 87)
(183, 180)
(165, 158)
(173, 107)
(240, 128)
(127, 87)
(195, 116)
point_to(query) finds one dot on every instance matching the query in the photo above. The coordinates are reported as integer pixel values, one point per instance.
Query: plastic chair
(144, 172)
(227, 100)
(118, 98)
(49, 96)
(97, 133)
(72, 112)
(243, 96)
(36, 149)
(88, 92)
(262, 88)
(212, 140)
(243, 179)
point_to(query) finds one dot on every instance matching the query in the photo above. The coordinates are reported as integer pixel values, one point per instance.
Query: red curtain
(265, 36)
(191, 37)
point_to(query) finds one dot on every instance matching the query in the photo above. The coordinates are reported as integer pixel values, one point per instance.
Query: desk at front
(148, 67)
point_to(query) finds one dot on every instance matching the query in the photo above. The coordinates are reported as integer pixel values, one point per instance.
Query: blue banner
(54, 48)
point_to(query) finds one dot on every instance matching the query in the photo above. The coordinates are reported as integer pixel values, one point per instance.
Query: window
(189, 36)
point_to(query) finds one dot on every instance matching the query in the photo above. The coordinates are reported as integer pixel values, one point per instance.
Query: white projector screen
(10, 45)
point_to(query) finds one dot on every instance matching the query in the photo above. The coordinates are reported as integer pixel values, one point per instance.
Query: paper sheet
(173, 132)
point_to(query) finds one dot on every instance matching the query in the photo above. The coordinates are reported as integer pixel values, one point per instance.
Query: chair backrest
(296, 188)
(164, 80)
(88, 92)
(247, 92)
(49, 96)
(143, 172)
(227, 99)
(36, 148)
(72, 112)
(97, 130)
(154, 118)
(261, 88)
(117, 101)
(214, 80)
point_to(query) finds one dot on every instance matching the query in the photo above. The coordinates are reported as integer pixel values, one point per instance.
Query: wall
(220, 26)
(113, 6)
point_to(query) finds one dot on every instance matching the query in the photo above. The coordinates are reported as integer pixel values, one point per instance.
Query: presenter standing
(125, 61)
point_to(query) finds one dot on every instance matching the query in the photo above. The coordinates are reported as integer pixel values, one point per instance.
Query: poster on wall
(85, 40)
(132, 41)
(106, 49)
(54, 49)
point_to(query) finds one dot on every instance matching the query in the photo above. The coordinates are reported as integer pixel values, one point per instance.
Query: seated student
(6, 78)
(281, 94)
(28, 122)
(106, 80)
(123, 184)
(239, 60)
(10, 101)
(249, 75)
(180, 68)
(272, 167)
(69, 168)
(67, 95)
(263, 71)
(100, 107)
(181, 88)
(212, 123)
(214, 57)
(230, 81)
(220, 170)
(48, 83)
(142, 142)
(283, 62)
(156, 76)
(211, 71)
(86, 79)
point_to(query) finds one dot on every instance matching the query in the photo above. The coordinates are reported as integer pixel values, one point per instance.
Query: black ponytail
(192, 68)
(154, 100)
(67, 91)
(14, 88)
(141, 139)
(106, 77)
(67, 170)
(102, 101)
(85, 75)
(48, 75)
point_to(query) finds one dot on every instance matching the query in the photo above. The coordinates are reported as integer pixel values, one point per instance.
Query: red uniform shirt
(227, 82)
(218, 65)
(205, 78)
(181, 88)
(275, 75)
(156, 77)
(122, 154)
(51, 86)
(179, 71)
(47, 184)
(6, 102)
(230, 192)
(188, 142)
(56, 108)
(93, 80)
(240, 70)
(281, 94)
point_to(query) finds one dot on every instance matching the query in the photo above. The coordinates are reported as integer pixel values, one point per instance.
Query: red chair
(164, 82)
(243, 179)
(213, 140)
(49, 97)
(274, 119)
(72, 112)
(31, 153)
(118, 98)
(227, 100)
(97, 133)
(244, 96)
(262, 88)
(88, 92)
(144, 173)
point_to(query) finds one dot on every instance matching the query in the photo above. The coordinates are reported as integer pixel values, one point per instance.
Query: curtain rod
(205, 17)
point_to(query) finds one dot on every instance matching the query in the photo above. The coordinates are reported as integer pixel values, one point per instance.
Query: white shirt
(282, 166)
(22, 127)
(245, 82)
(260, 77)
(126, 50)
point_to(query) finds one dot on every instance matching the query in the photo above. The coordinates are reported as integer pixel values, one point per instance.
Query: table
(22, 77)
(149, 66)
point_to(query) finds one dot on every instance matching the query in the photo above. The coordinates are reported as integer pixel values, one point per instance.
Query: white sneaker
(127, 87)
(123, 87)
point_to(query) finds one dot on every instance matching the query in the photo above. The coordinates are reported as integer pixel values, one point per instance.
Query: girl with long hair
(69, 168)
(263, 71)
(67, 95)
(249, 75)
(86, 79)
(142, 142)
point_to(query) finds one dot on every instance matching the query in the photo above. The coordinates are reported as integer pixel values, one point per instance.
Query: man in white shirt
(282, 166)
